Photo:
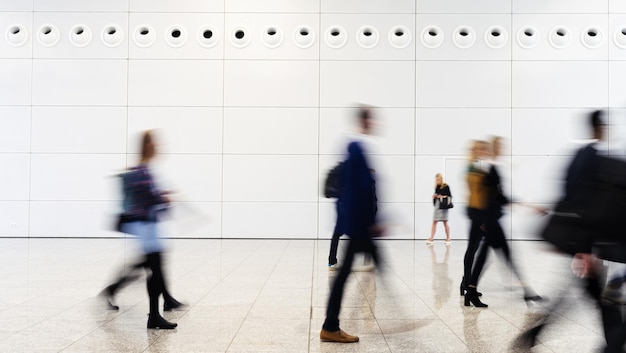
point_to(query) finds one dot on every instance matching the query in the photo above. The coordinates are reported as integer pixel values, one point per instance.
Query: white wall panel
(617, 132)
(56, 177)
(559, 6)
(179, 129)
(193, 220)
(367, 6)
(617, 6)
(616, 36)
(426, 167)
(269, 220)
(436, 133)
(78, 130)
(449, 24)
(327, 219)
(81, 6)
(165, 46)
(617, 86)
(272, 6)
(382, 24)
(73, 218)
(573, 26)
(12, 5)
(15, 86)
(398, 219)
(463, 84)
(255, 27)
(560, 84)
(7, 21)
(464, 7)
(271, 83)
(175, 83)
(270, 130)
(539, 179)
(14, 218)
(394, 178)
(192, 177)
(94, 23)
(14, 129)
(270, 178)
(79, 82)
(393, 129)
(377, 83)
(15, 177)
(530, 137)
(176, 6)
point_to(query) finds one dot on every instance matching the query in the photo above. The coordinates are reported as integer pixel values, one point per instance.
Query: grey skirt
(440, 215)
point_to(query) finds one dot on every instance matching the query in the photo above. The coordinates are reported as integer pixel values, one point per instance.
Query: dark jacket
(142, 200)
(357, 195)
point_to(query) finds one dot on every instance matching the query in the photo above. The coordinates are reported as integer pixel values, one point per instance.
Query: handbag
(445, 203)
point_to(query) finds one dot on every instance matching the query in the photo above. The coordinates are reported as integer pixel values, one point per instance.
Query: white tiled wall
(248, 127)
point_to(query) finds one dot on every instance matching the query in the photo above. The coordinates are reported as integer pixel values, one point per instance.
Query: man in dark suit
(358, 212)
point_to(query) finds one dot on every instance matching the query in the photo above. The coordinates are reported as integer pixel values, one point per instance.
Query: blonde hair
(443, 184)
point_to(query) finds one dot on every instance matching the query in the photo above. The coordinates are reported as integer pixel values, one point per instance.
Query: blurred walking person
(144, 204)
(586, 224)
(495, 237)
(359, 221)
(477, 212)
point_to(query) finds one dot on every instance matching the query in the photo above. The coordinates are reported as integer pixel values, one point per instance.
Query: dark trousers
(155, 281)
(495, 239)
(334, 241)
(365, 245)
(334, 245)
(476, 235)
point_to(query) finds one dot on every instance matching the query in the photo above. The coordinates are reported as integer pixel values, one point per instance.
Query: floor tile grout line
(257, 297)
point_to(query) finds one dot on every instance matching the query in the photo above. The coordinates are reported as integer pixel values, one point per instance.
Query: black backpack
(332, 183)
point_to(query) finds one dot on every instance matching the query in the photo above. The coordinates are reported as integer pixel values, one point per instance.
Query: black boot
(464, 288)
(472, 297)
(156, 321)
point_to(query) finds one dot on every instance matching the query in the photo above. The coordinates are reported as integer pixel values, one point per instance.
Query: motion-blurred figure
(495, 237)
(587, 225)
(143, 205)
(332, 190)
(359, 222)
(477, 212)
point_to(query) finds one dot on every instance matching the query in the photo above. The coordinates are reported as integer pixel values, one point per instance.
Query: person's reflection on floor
(442, 283)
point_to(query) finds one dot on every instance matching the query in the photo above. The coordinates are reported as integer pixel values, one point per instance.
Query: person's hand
(377, 231)
(582, 264)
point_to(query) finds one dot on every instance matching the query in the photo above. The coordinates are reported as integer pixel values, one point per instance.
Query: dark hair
(147, 149)
(364, 114)
(595, 119)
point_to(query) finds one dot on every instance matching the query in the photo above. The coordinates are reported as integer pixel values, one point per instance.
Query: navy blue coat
(357, 195)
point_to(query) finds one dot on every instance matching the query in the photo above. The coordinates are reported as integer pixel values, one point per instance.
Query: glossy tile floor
(270, 296)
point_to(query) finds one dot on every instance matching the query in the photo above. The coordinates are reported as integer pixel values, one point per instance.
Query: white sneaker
(429, 242)
(334, 267)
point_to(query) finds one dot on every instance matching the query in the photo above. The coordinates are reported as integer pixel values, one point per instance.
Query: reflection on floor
(270, 296)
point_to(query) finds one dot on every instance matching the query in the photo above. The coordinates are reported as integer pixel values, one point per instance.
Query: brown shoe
(337, 336)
